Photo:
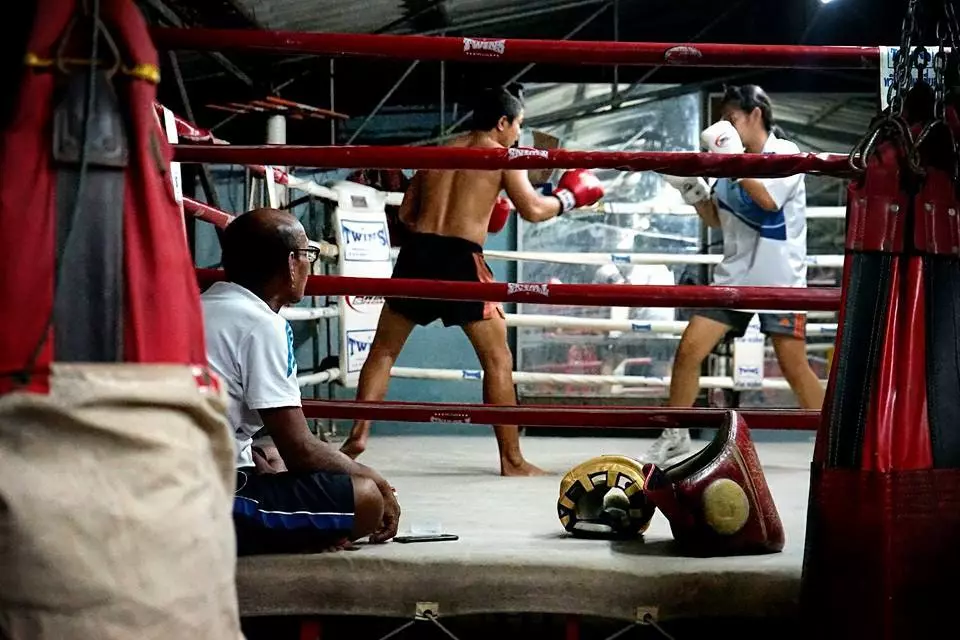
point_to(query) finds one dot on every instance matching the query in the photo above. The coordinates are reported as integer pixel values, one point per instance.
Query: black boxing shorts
(428, 256)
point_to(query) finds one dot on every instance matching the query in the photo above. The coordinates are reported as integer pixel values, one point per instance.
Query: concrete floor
(513, 556)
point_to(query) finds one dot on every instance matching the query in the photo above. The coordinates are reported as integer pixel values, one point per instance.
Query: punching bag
(116, 462)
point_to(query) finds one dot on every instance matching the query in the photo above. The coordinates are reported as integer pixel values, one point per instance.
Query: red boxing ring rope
(521, 50)
(558, 416)
(680, 163)
(612, 295)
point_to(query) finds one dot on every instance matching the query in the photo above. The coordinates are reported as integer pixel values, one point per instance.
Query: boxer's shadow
(632, 546)
(643, 547)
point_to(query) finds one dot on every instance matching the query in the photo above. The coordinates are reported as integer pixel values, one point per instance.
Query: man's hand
(391, 518)
(578, 188)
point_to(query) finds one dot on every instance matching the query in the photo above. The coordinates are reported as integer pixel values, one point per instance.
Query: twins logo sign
(748, 377)
(358, 345)
(365, 241)
(365, 304)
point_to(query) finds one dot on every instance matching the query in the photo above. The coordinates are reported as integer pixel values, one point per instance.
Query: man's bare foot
(353, 447)
(508, 469)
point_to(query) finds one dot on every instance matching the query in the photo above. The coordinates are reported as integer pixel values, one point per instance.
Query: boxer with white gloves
(764, 244)
(448, 215)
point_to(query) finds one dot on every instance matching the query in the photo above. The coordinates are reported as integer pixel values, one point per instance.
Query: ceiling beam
(170, 16)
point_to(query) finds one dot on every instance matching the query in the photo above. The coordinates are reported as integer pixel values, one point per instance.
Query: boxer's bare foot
(353, 447)
(524, 468)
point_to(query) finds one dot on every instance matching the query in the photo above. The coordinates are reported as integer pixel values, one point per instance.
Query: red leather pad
(717, 500)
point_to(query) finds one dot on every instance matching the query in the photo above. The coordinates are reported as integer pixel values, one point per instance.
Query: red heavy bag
(883, 521)
(110, 280)
(116, 460)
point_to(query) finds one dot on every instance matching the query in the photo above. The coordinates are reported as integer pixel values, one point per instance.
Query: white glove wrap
(567, 200)
(692, 190)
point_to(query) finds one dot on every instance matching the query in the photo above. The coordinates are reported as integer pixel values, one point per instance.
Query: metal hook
(61, 60)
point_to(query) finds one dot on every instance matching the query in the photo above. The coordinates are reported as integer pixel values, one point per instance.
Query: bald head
(256, 246)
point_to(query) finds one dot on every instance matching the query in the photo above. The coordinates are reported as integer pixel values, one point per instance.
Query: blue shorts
(793, 325)
(291, 512)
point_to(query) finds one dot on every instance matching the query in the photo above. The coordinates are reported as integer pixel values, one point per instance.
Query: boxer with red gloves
(448, 214)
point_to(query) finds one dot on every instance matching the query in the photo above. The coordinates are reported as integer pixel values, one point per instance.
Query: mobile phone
(431, 537)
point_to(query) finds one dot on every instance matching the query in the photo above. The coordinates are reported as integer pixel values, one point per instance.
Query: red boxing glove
(578, 188)
(498, 215)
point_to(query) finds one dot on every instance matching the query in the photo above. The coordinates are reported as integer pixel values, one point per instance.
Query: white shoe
(670, 444)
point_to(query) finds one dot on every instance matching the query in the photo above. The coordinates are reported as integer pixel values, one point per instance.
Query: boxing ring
(512, 556)
(520, 560)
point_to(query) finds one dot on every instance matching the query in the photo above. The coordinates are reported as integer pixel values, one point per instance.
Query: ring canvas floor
(513, 556)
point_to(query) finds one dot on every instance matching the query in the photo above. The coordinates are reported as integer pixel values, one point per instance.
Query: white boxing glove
(693, 190)
(721, 137)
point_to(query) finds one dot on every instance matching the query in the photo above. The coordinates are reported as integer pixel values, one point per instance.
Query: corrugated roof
(336, 16)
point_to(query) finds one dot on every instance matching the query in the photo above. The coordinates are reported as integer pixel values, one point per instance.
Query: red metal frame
(205, 212)
(574, 52)
(679, 163)
(606, 295)
(558, 416)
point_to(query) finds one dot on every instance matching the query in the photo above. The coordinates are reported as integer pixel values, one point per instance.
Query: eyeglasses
(312, 253)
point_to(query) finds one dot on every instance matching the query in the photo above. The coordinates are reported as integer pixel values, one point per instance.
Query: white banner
(170, 129)
(886, 70)
(748, 357)
(364, 241)
(272, 200)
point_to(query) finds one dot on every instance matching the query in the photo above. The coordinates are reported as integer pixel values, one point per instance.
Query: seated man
(321, 499)
(446, 217)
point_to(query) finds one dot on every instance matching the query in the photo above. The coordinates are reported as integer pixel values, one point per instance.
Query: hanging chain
(952, 26)
(891, 121)
(901, 65)
(946, 27)
(891, 124)
(940, 74)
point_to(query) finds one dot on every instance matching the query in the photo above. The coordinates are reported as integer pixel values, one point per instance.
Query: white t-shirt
(251, 348)
(760, 247)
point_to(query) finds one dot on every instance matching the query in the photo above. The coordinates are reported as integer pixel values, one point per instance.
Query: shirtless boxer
(446, 217)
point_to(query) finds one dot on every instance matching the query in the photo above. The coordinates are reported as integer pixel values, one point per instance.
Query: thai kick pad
(603, 498)
(543, 140)
(717, 500)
